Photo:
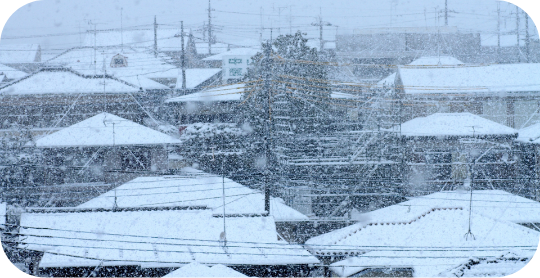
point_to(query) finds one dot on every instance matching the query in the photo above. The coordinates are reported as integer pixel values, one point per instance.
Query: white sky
(60, 24)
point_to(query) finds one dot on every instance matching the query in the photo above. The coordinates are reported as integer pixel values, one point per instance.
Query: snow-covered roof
(340, 95)
(62, 81)
(20, 53)
(166, 238)
(194, 77)
(3, 207)
(200, 270)
(506, 264)
(145, 83)
(530, 134)
(435, 61)
(423, 61)
(470, 78)
(222, 93)
(11, 73)
(400, 237)
(454, 124)
(235, 51)
(429, 264)
(495, 204)
(193, 188)
(104, 129)
(140, 62)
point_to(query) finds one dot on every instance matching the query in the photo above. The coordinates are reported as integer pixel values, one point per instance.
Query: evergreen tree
(299, 92)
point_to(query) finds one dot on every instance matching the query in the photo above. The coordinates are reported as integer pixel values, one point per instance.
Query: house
(504, 93)
(197, 79)
(133, 65)
(213, 104)
(41, 101)
(10, 74)
(193, 188)
(231, 60)
(23, 57)
(448, 150)
(527, 146)
(136, 242)
(200, 270)
(424, 237)
(103, 148)
(501, 266)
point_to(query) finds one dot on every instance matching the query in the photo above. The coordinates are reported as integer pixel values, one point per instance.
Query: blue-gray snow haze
(60, 24)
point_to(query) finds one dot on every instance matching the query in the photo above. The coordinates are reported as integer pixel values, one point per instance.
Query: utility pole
(527, 38)
(183, 58)
(155, 36)
(445, 12)
(262, 27)
(517, 33)
(498, 32)
(209, 28)
(121, 29)
(321, 23)
(267, 87)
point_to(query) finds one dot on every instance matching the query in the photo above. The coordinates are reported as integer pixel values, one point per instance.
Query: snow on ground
(222, 93)
(65, 82)
(105, 129)
(491, 79)
(194, 188)
(166, 238)
(530, 134)
(200, 270)
(454, 124)
(194, 77)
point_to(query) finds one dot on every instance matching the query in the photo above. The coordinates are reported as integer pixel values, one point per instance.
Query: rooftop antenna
(469, 234)
(95, 34)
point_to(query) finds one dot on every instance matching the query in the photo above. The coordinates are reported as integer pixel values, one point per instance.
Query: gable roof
(20, 53)
(195, 77)
(104, 129)
(11, 73)
(222, 93)
(407, 238)
(140, 62)
(193, 188)
(65, 81)
(495, 204)
(200, 270)
(454, 124)
(497, 78)
(530, 134)
(166, 238)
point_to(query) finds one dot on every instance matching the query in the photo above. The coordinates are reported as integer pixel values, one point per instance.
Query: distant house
(104, 148)
(197, 79)
(232, 59)
(425, 237)
(136, 66)
(23, 57)
(155, 241)
(449, 150)
(505, 93)
(211, 105)
(53, 98)
(10, 74)
(527, 146)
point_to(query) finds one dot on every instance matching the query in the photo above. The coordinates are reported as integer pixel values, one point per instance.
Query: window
(118, 61)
